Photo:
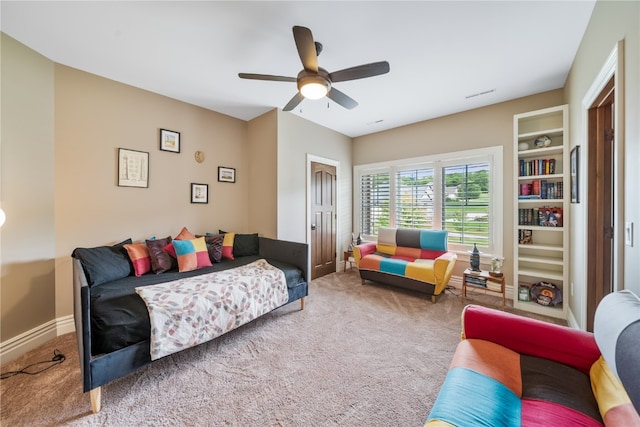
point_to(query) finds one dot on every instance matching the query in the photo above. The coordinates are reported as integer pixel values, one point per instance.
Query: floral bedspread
(191, 311)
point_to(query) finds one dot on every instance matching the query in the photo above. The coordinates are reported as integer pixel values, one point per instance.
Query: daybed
(510, 370)
(407, 257)
(113, 324)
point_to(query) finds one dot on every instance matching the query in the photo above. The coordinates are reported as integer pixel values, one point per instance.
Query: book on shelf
(529, 197)
(535, 184)
(476, 280)
(537, 167)
(540, 189)
(559, 194)
(550, 217)
(525, 237)
(528, 216)
(494, 286)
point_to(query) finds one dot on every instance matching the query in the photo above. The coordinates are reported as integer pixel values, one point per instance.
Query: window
(414, 198)
(465, 203)
(447, 192)
(375, 195)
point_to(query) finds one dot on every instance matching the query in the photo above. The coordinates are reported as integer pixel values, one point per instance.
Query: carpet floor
(355, 356)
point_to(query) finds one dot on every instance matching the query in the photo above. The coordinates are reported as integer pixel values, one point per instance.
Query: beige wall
(61, 130)
(610, 22)
(263, 174)
(297, 140)
(96, 116)
(27, 284)
(479, 128)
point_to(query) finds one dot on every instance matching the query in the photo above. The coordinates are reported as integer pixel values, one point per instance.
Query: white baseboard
(17, 346)
(571, 319)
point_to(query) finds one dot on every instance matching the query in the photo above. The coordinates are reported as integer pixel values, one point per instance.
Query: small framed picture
(574, 173)
(199, 193)
(133, 168)
(226, 174)
(169, 140)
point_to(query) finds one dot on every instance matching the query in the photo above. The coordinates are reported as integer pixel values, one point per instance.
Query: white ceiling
(440, 52)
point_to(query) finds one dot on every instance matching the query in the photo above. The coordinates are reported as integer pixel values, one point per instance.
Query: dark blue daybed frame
(101, 369)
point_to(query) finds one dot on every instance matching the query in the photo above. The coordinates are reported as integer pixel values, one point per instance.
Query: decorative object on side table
(169, 140)
(359, 240)
(496, 266)
(474, 259)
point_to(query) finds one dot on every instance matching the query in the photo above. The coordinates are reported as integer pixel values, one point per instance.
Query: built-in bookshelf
(541, 175)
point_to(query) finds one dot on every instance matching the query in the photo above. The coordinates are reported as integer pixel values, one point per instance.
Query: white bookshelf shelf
(545, 259)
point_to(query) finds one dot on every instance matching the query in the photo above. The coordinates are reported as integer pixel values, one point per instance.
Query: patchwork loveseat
(407, 257)
(511, 370)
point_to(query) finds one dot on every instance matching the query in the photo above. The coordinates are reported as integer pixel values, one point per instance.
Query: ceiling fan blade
(297, 99)
(266, 77)
(342, 99)
(360, 72)
(306, 48)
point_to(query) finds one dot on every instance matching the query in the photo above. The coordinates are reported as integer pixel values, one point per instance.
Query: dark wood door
(600, 201)
(323, 219)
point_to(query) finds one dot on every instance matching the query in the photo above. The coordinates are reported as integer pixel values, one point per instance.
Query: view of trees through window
(453, 198)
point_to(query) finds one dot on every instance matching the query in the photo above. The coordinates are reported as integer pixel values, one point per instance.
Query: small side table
(479, 279)
(347, 255)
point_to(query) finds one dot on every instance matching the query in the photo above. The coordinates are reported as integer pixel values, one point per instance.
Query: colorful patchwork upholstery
(514, 371)
(407, 257)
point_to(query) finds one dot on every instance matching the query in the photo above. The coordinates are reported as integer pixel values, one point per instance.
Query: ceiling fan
(315, 82)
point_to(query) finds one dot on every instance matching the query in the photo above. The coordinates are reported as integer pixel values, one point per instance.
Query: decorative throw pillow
(214, 246)
(103, 264)
(171, 250)
(245, 245)
(185, 234)
(192, 254)
(140, 258)
(227, 245)
(161, 261)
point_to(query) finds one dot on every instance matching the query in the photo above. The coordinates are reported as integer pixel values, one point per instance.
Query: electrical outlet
(628, 233)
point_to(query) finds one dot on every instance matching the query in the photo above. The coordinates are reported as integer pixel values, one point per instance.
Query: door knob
(313, 226)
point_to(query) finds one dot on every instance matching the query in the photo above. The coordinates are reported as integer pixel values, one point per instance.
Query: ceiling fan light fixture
(313, 87)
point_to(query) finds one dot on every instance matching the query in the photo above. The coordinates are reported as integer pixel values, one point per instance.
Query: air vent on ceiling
(480, 93)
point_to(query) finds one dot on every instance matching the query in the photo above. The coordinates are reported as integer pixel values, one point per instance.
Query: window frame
(492, 155)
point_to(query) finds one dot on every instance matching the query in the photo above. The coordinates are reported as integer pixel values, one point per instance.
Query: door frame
(613, 67)
(331, 162)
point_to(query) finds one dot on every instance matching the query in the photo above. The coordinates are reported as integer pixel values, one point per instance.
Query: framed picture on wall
(133, 168)
(199, 193)
(169, 140)
(574, 174)
(226, 174)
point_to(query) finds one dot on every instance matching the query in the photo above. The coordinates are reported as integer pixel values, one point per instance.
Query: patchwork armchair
(511, 370)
